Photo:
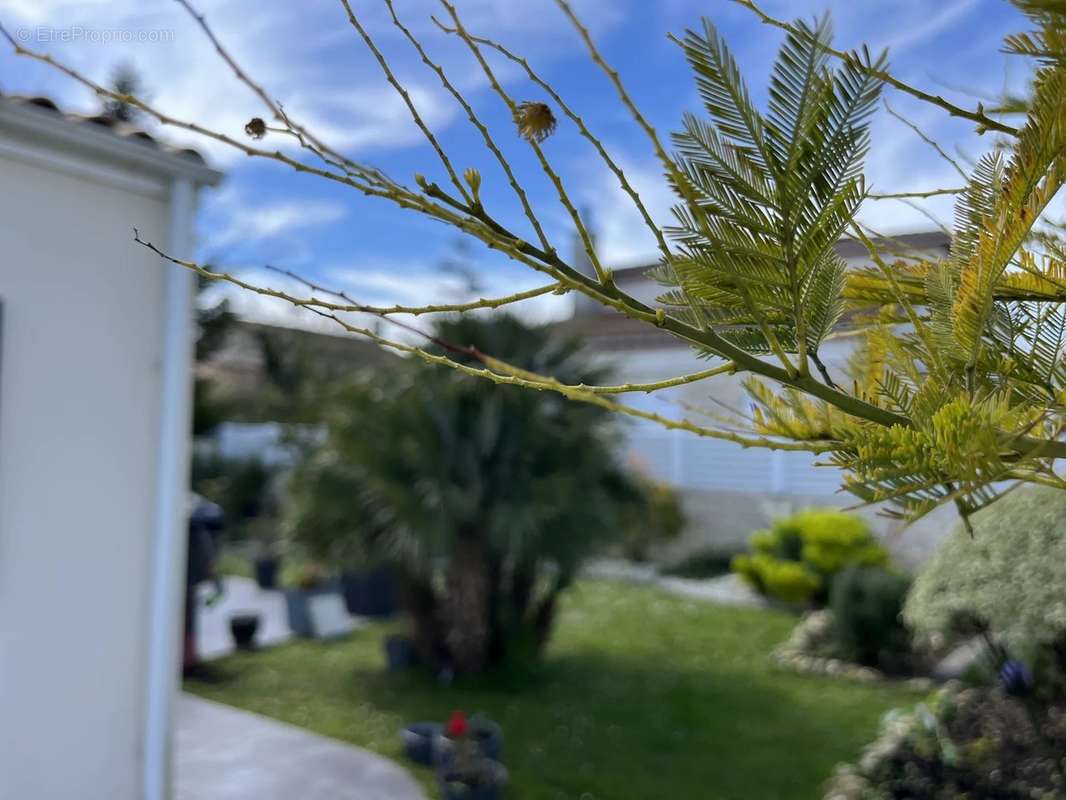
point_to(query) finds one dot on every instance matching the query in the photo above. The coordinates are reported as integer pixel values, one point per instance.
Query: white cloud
(245, 224)
(622, 237)
(930, 27)
(309, 59)
(380, 285)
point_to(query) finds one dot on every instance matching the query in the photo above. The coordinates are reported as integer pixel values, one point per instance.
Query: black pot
(243, 628)
(400, 654)
(266, 572)
(419, 741)
(371, 593)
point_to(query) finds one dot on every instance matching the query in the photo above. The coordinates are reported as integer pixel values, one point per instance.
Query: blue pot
(371, 593)
(419, 742)
(454, 789)
(490, 739)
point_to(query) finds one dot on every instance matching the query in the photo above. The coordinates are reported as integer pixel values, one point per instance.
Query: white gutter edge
(169, 536)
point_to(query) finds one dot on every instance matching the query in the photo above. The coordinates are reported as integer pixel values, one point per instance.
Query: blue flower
(1016, 678)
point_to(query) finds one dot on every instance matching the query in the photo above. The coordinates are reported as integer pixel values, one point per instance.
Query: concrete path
(223, 753)
(727, 590)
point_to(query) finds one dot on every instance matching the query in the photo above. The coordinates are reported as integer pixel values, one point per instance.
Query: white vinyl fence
(688, 461)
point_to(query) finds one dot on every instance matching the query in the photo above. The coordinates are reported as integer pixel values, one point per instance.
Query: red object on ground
(457, 726)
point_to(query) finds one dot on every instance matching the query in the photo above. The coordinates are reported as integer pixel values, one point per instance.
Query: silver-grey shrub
(1010, 575)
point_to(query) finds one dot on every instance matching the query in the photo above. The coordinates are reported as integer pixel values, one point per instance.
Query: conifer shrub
(867, 603)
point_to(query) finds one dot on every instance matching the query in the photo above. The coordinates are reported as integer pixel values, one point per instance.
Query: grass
(236, 559)
(642, 695)
(230, 562)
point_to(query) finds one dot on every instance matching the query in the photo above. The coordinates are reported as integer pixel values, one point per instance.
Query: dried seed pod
(256, 128)
(535, 121)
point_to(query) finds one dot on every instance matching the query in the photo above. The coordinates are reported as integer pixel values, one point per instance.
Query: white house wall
(79, 425)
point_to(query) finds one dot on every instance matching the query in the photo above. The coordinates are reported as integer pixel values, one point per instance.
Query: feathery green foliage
(969, 349)
(767, 196)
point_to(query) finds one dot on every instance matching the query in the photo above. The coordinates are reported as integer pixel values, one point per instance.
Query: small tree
(125, 85)
(485, 499)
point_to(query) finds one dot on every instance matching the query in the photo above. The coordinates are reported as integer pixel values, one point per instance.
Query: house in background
(264, 373)
(729, 491)
(95, 401)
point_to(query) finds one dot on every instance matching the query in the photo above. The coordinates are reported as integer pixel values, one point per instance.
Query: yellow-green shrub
(789, 581)
(796, 558)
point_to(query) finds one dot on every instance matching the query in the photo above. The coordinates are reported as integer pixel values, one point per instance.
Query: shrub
(658, 517)
(867, 627)
(703, 564)
(241, 486)
(789, 581)
(962, 743)
(1009, 576)
(1007, 579)
(797, 557)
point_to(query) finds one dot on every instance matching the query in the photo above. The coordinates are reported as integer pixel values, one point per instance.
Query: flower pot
(370, 593)
(243, 627)
(400, 654)
(487, 734)
(297, 603)
(490, 786)
(266, 572)
(458, 791)
(419, 741)
(489, 737)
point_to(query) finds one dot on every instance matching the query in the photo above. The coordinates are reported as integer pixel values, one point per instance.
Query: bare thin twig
(929, 140)
(586, 239)
(626, 186)
(984, 122)
(914, 195)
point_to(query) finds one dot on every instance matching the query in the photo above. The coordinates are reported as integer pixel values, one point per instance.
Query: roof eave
(46, 124)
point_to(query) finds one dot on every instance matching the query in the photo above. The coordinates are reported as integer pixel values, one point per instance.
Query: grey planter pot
(297, 602)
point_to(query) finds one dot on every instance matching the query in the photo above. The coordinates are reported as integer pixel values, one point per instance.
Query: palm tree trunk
(466, 604)
(420, 603)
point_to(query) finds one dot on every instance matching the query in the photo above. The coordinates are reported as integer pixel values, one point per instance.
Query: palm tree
(484, 498)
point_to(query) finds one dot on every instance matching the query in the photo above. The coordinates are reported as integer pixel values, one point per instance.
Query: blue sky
(308, 57)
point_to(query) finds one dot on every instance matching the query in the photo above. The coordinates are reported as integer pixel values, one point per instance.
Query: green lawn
(642, 695)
